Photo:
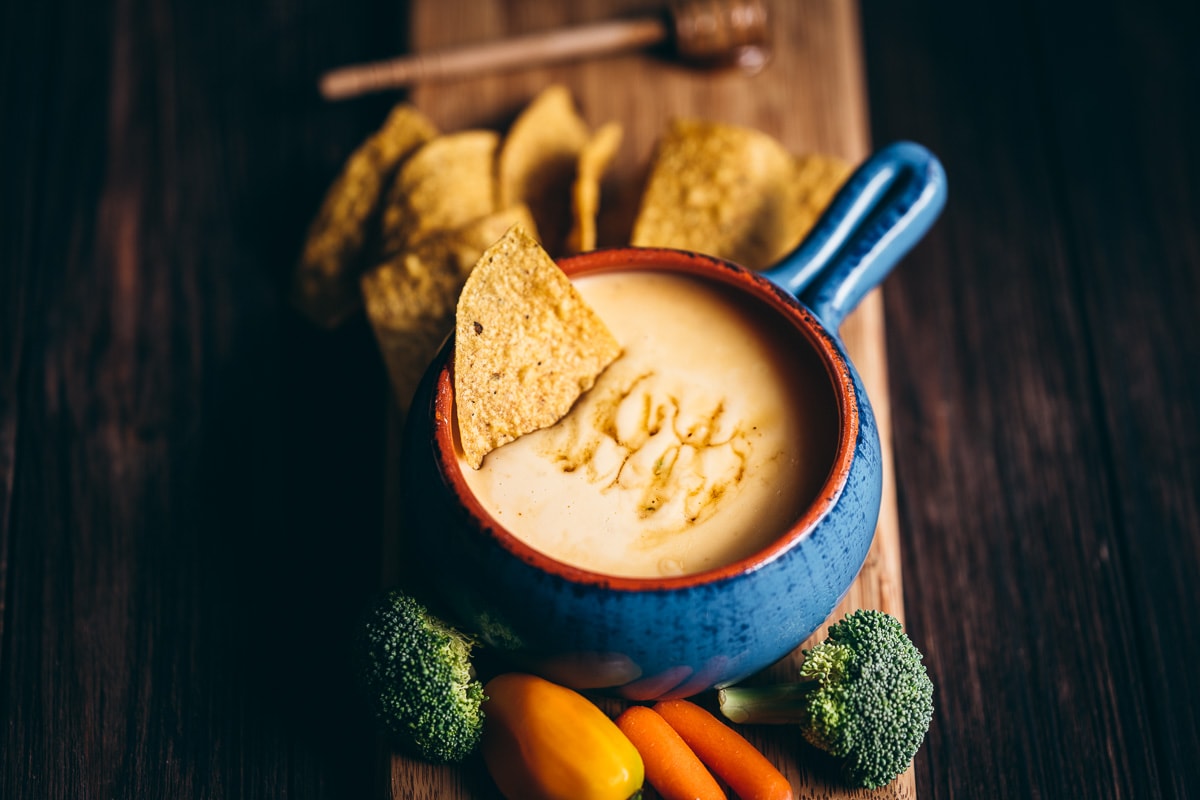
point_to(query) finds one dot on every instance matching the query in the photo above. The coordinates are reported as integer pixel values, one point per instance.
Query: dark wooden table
(190, 476)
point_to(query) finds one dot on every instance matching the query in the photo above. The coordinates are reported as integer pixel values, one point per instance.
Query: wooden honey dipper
(709, 32)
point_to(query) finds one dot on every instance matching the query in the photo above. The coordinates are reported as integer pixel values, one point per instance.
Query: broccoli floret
(863, 696)
(419, 679)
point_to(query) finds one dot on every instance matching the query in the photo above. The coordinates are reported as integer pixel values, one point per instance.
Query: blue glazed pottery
(650, 638)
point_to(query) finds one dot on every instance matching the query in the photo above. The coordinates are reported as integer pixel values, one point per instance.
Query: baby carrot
(671, 766)
(747, 771)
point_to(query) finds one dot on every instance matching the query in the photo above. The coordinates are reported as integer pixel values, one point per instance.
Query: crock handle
(884, 209)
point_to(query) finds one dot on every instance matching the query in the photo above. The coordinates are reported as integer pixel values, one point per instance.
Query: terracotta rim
(753, 285)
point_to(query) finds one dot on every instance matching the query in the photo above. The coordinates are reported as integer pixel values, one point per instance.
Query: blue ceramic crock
(672, 637)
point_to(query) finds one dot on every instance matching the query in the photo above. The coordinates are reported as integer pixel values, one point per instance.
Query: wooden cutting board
(812, 97)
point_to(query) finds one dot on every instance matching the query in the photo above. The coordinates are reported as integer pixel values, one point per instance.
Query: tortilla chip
(597, 154)
(447, 183)
(526, 345)
(719, 189)
(325, 283)
(410, 298)
(537, 162)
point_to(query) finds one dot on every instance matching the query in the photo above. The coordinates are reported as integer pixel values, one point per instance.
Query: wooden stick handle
(522, 51)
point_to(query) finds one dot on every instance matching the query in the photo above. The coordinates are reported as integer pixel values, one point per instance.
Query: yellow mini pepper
(542, 741)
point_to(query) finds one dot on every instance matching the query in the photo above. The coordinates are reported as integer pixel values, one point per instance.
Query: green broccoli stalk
(419, 680)
(863, 696)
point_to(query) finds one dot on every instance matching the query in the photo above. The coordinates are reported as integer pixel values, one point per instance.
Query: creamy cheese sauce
(699, 446)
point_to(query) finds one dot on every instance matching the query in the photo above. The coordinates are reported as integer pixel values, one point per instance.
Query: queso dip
(697, 447)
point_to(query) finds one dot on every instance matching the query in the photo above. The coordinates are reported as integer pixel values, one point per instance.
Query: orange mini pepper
(542, 741)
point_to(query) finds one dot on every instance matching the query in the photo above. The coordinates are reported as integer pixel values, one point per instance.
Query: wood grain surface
(812, 98)
(191, 476)
(1044, 363)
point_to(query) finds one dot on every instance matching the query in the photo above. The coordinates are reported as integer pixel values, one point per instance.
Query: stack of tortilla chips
(413, 211)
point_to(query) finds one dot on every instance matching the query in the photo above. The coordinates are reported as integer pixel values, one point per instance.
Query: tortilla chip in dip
(526, 345)
(410, 298)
